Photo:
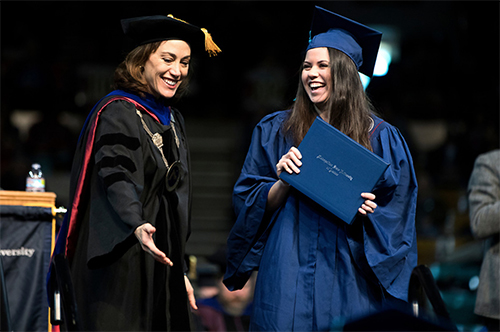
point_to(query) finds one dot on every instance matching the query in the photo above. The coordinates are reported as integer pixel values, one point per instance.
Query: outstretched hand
(144, 234)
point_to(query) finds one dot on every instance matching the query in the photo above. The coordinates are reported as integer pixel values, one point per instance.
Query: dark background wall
(442, 91)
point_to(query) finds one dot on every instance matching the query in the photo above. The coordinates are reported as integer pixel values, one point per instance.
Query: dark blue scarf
(159, 109)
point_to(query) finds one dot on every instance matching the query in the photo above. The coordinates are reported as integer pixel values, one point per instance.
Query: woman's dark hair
(350, 109)
(128, 74)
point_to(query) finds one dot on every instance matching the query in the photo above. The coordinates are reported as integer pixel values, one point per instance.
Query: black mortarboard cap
(356, 40)
(149, 29)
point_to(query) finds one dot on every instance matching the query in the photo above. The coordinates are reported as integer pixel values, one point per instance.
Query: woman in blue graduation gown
(315, 269)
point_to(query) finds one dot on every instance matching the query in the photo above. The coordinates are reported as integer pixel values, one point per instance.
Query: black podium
(27, 234)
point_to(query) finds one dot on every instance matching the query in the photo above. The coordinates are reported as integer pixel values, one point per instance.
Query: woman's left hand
(190, 293)
(369, 205)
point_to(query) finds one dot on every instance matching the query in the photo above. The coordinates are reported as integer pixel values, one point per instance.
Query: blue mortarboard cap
(356, 40)
(149, 29)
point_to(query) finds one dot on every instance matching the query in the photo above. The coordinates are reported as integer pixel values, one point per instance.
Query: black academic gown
(118, 285)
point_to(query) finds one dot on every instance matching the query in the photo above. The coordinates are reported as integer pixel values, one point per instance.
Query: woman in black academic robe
(125, 232)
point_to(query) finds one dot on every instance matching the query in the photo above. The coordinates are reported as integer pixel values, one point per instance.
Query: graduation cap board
(356, 40)
(148, 29)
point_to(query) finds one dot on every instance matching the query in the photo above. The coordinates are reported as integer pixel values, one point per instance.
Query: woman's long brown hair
(349, 106)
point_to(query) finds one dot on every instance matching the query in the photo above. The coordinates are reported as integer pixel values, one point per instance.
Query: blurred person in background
(484, 213)
(225, 311)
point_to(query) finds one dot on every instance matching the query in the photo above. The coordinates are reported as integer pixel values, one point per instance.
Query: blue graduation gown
(313, 267)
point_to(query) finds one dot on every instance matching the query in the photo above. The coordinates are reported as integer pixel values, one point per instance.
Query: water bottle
(35, 181)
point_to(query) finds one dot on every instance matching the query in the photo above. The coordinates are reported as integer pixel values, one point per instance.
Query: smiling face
(167, 67)
(316, 76)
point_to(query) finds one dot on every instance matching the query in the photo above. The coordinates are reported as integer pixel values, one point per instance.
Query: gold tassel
(210, 46)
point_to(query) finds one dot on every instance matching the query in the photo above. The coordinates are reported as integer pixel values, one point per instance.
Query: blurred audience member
(207, 281)
(484, 206)
(226, 311)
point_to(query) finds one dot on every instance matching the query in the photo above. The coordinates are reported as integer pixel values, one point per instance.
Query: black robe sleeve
(117, 181)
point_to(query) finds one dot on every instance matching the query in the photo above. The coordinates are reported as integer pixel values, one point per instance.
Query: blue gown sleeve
(390, 242)
(249, 232)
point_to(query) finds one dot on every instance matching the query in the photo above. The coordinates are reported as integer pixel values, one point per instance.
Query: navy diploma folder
(335, 170)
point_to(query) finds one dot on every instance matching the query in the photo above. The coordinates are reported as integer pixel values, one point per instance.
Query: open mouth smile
(316, 85)
(170, 83)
